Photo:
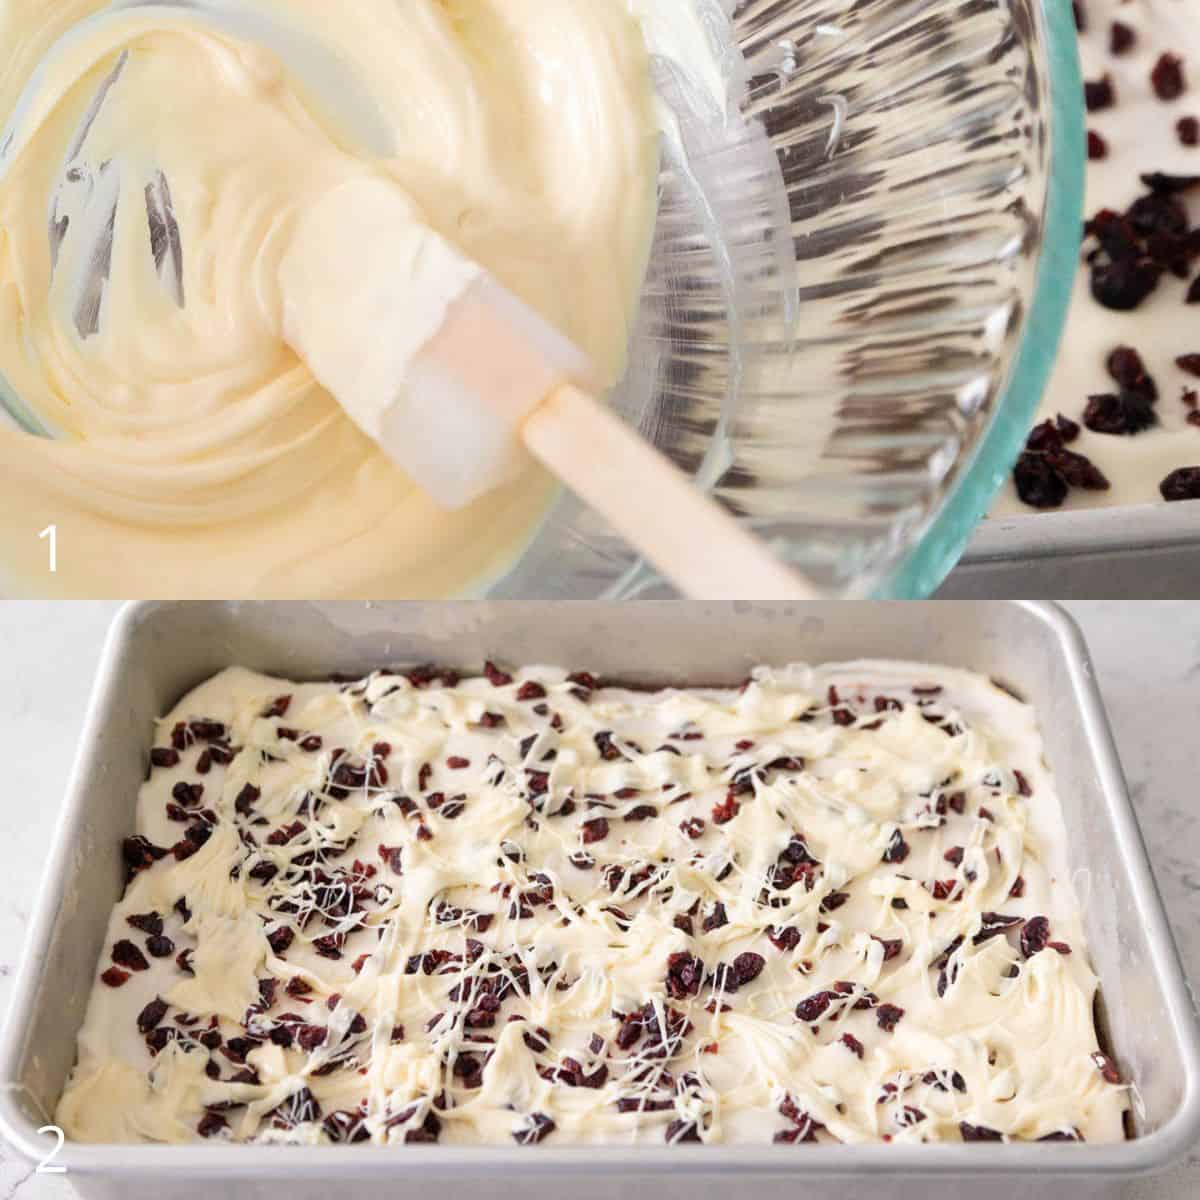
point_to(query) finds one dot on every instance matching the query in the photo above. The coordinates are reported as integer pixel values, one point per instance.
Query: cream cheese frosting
(834, 904)
(180, 143)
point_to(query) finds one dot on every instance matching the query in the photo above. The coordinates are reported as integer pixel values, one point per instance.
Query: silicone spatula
(458, 380)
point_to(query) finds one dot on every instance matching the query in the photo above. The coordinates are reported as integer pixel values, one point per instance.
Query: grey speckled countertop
(1147, 656)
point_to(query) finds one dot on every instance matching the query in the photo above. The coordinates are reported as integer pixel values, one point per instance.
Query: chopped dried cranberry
(457, 763)
(531, 691)
(812, 1008)
(833, 901)
(211, 1124)
(160, 946)
(595, 830)
(149, 922)
(126, 954)
(1098, 94)
(537, 1129)
(716, 919)
(164, 756)
(1182, 484)
(151, 1016)
(724, 812)
(685, 973)
(1037, 483)
(1121, 38)
(1188, 131)
(1107, 1068)
(1124, 414)
(139, 854)
(888, 1016)
(1167, 77)
(280, 939)
(1097, 147)
(978, 1133)
(1034, 936)
(1122, 285)
(852, 1043)
(897, 849)
(114, 977)
(495, 676)
(891, 947)
(642, 812)
(278, 707)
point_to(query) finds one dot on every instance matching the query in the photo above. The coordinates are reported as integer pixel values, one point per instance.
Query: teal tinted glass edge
(940, 549)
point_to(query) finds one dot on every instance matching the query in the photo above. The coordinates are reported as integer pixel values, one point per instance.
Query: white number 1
(50, 533)
(44, 1167)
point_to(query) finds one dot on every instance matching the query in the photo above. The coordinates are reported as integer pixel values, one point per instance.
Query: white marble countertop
(1147, 656)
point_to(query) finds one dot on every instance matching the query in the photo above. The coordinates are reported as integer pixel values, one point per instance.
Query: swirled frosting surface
(831, 905)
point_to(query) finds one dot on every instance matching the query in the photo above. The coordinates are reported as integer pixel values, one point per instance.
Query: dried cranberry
(1107, 1068)
(852, 1043)
(278, 707)
(1182, 484)
(1167, 77)
(1122, 285)
(979, 1133)
(888, 1016)
(139, 854)
(1124, 414)
(164, 756)
(495, 676)
(897, 849)
(685, 973)
(1098, 94)
(126, 954)
(724, 812)
(595, 830)
(1097, 147)
(151, 1016)
(812, 1008)
(1038, 484)
(1034, 936)
(1188, 131)
(1121, 38)
(211, 1124)
(150, 922)
(531, 691)
(1161, 181)
(537, 1129)
(160, 946)
(114, 977)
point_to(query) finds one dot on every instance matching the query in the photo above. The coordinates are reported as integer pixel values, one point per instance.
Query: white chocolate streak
(1022, 1045)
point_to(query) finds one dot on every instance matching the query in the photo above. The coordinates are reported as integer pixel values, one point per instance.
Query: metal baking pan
(157, 652)
(1135, 552)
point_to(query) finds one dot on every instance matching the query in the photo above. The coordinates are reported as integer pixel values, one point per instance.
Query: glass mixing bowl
(929, 259)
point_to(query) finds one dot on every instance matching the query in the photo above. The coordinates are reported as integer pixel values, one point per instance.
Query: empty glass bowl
(933, 250)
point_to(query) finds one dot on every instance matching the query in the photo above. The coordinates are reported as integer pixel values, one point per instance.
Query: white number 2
(44, 1167)
(50, 534)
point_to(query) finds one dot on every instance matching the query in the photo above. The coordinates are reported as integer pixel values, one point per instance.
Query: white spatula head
(430, 356)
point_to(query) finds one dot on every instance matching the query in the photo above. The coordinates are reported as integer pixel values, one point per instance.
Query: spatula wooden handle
(688, 536)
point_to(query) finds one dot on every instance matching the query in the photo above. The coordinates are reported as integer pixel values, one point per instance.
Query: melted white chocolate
(480, 985)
